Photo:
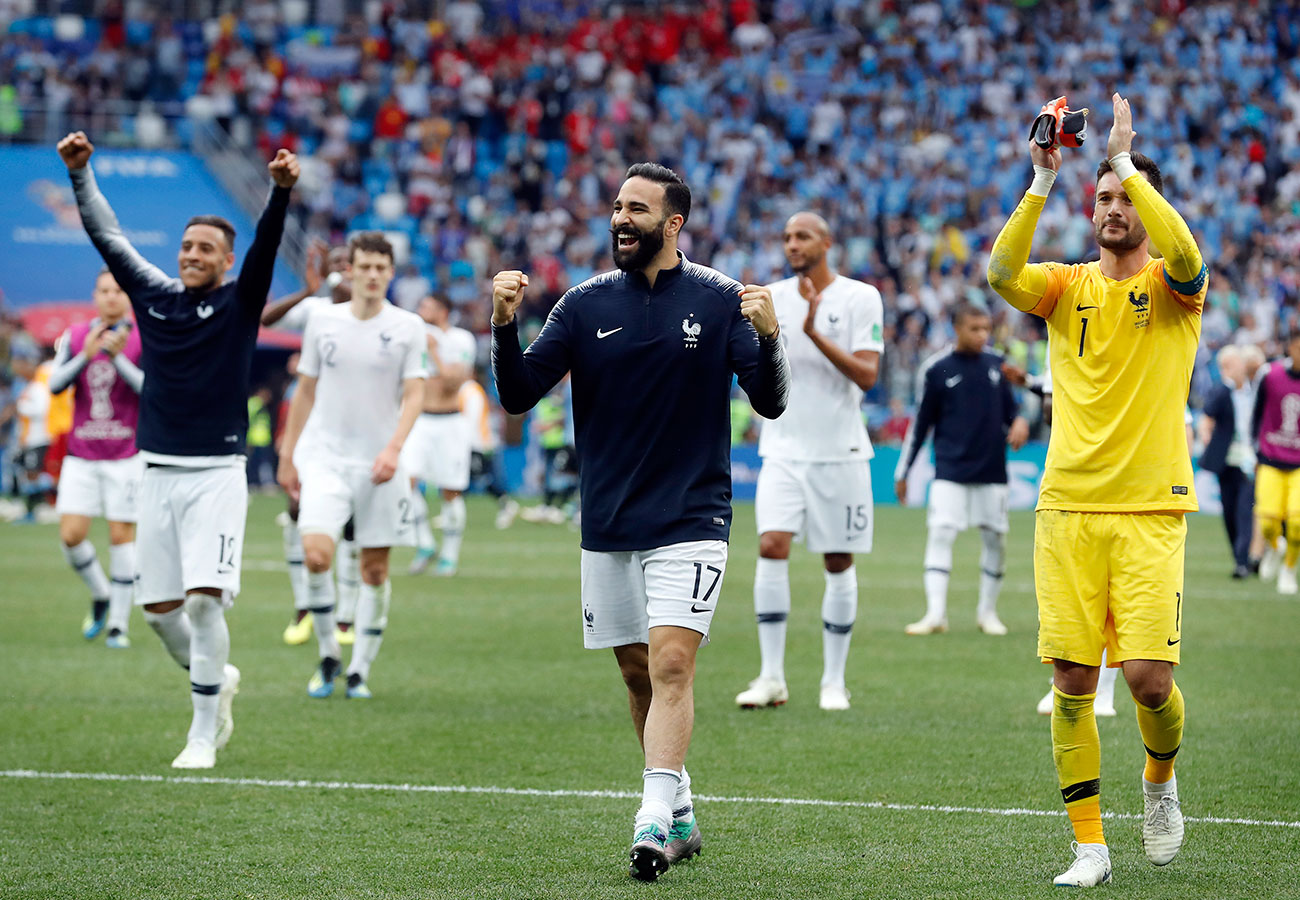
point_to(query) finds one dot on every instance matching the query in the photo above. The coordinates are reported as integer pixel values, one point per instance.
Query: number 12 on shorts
(225, 553)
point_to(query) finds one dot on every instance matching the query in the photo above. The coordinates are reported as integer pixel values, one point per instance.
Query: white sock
(84, 562)
(683, 804)
(209, 653)
(372, 618)
(176, 633)
(938, 566)
(453, 528)
(121, 591)
(839, 612)
(990, 571)
(1106, 683)
(1166, 787)
(659, 788)
(320, 590)
(293, 558)
(347, 571)
(424, 542)
(772, 609)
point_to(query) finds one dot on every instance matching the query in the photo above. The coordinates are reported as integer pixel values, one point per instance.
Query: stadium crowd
(494, 137)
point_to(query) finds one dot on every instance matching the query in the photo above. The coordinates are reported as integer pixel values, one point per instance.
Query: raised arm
(65, 367)
(1025, 286)
(1185, 269)
(523, 378)
(756, 353)
(312, 278)
(861, 362)
(131, 270)
(259, 264)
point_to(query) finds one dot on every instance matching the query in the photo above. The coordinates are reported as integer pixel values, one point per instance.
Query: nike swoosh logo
(1078, 308)
(705, 609)
(1172, 641)
(953, 381)
(604, 334)
(157, 315)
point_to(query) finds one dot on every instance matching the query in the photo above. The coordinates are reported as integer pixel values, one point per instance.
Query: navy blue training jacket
(970, 405)
(197, 347)
(652, 372)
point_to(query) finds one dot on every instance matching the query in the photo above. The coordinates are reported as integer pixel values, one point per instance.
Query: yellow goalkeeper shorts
(1110, 581)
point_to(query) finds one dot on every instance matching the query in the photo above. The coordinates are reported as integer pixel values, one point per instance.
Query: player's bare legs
(671, 716)
(660, 678)
(634, 665)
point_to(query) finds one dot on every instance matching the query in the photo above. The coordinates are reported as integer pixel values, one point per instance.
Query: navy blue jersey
(652, 370)
(970, 406)
(197, 346)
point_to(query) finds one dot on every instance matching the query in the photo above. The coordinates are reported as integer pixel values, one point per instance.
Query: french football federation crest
(692, 330)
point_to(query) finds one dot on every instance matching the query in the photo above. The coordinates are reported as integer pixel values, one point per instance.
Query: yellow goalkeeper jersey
(1121, 357)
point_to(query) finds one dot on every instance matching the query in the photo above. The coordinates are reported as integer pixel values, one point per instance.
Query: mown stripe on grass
(609, 795)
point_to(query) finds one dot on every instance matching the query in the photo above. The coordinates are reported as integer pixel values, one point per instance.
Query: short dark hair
(1145, 164)
(677, 196)
(370, 242)
(218, 222)
(966, 309)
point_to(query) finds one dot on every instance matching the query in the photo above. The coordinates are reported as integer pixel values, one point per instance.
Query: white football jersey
(359, 367)
(455, 346)
(823, 420)
(297, 317)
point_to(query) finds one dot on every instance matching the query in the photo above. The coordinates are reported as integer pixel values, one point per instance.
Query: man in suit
(1229, 456)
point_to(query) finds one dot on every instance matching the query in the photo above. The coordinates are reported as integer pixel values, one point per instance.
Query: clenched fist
(507, 294)
(75, 150)
(284, 168)
(756, 305)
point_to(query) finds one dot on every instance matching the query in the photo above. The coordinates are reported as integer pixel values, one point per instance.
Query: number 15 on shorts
(856, 518)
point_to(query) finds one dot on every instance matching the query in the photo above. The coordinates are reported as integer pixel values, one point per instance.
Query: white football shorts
(191, 531)
(626, 593)
(332, 493)
(829, 504)
(961, 506)
(100, 487)
(437, 451)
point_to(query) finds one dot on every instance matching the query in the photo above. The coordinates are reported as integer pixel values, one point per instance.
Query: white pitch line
(33, 774)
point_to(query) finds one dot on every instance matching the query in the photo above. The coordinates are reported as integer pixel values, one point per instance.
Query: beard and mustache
(647, 246)
(1132, 238)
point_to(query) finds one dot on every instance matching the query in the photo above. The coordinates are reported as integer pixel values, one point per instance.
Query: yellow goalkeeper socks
(1162, 734)
(1076, 750)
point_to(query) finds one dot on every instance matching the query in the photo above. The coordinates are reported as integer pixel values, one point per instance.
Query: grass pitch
(483, 683)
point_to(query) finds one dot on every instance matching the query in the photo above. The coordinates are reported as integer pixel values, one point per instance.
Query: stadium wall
(1024, 471)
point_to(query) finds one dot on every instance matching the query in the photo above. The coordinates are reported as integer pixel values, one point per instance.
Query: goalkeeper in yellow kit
(1110, 533)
